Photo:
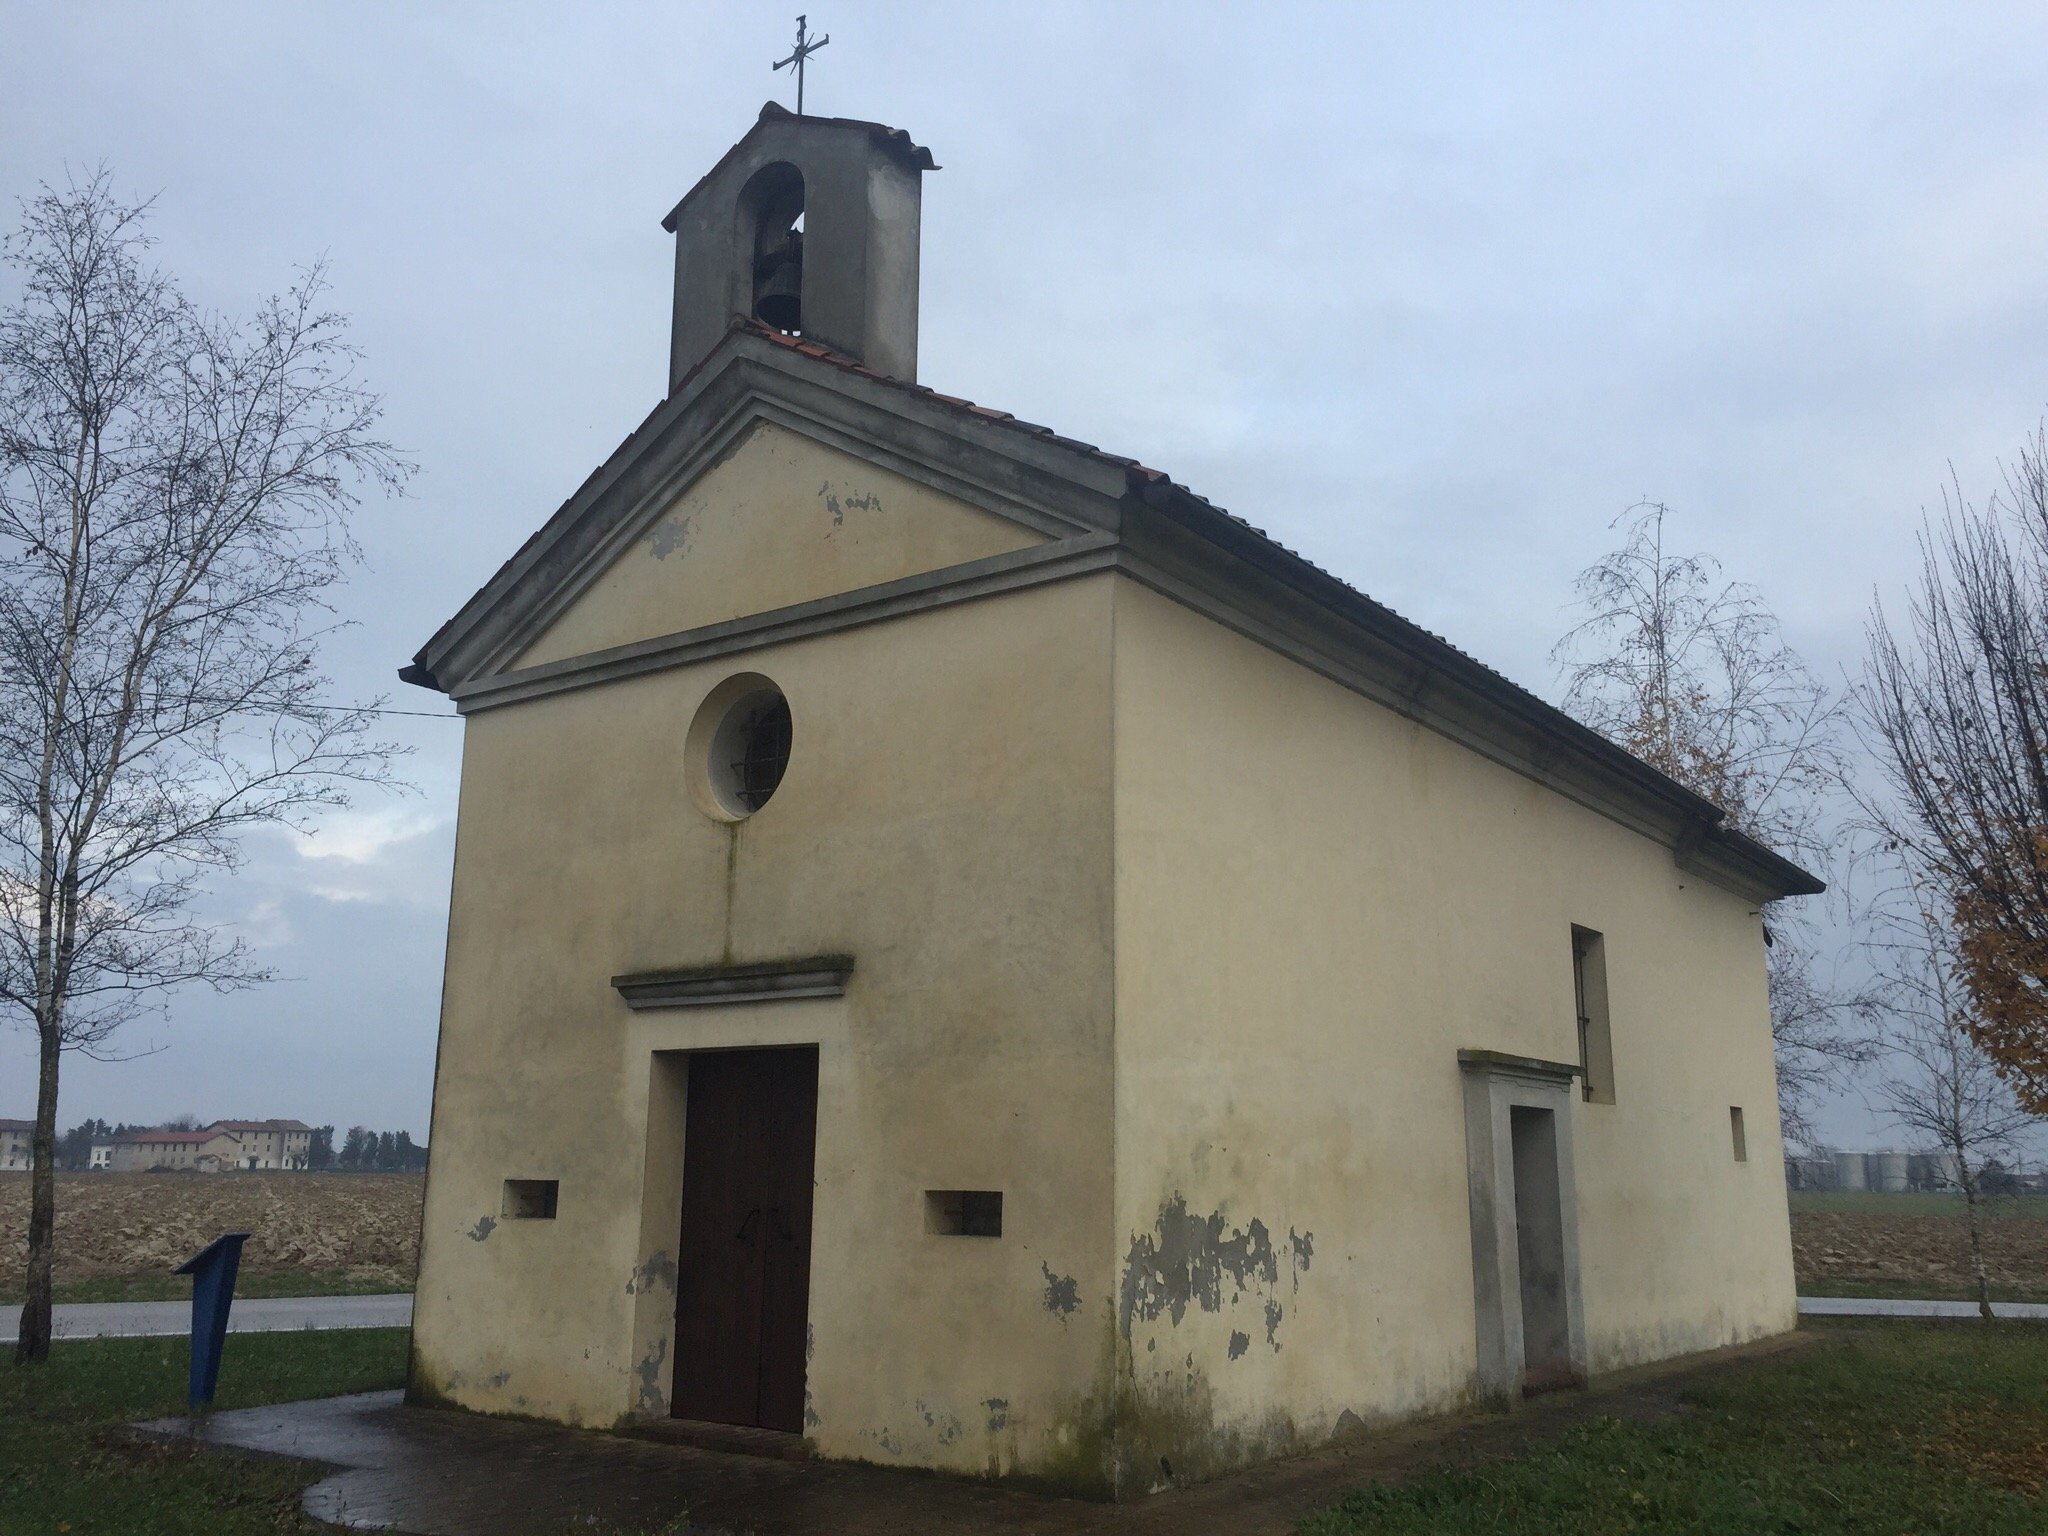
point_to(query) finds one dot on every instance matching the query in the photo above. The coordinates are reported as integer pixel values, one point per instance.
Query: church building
(966, 955)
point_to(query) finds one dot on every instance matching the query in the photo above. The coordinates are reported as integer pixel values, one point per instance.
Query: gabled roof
(159, 1136)
(1120, 514)
(260, 1125)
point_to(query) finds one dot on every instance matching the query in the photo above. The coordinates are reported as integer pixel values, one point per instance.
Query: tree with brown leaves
(1954, 706)
(1940, 1084)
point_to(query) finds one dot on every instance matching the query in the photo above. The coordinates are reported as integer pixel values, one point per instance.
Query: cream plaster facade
(1318, 905)
(1167, 937)
(1124, 864)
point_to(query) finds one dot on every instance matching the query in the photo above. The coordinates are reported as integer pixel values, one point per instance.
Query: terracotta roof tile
(157, 1136)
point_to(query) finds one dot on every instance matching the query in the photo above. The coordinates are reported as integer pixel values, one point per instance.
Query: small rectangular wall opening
(964, 1212)
(1735, 1130)
(1589, 996)
(531, 1199)
(1539, 1249)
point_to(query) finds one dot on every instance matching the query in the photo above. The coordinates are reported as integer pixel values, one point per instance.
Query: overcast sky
(1431, 293)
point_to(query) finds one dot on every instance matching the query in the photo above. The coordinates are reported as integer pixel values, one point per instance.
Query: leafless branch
(1691, 674)
(175, 490)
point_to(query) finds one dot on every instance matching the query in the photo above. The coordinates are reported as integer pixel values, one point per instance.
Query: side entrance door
(744, 1272)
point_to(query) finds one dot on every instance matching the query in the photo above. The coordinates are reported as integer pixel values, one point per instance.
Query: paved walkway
(1882, 1306)
(255, 1314)
(431, 1472)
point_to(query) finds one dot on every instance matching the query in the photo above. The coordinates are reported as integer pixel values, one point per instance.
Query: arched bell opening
(772, 245)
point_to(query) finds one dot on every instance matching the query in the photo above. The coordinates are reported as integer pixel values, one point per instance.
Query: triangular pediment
(770, 481)
(779, 519)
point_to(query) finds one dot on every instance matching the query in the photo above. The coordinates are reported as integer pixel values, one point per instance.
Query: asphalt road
(146, 1319)
(1876, 1306)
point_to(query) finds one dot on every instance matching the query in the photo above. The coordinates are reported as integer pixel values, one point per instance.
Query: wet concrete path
(431, 1472)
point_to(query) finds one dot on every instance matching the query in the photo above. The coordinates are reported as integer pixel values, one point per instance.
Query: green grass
(161, 1285)
(1897, 1427)
(64, 1467)
(1865, 1203)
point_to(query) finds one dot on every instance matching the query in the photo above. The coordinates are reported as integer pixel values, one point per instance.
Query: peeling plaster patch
(483, 1228)
(498, 1380)
(885, 1440)
(998, 1413)
(652, 1399)
(948, 1425)
(659, 1270)
(1239, 1343)
(1062, 1293)
(1187, 1259)
(670, 536)
(837, 505)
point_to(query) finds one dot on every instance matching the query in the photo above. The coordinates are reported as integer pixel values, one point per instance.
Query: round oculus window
(739, 747)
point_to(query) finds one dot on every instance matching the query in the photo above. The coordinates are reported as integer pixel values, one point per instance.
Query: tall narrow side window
(1589, 995)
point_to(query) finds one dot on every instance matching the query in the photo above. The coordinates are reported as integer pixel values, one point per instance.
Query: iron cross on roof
(805, 47)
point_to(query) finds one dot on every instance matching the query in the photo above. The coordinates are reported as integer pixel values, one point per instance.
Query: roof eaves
(1260, 548)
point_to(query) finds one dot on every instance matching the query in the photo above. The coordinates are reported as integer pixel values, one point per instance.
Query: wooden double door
(744, 1269)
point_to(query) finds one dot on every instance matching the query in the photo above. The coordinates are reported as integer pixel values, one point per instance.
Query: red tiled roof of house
(261, 1125)
(157, 1136)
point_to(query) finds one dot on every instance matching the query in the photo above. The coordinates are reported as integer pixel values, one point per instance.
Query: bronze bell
(778, 285)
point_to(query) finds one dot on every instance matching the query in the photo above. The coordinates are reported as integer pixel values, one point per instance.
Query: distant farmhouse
(15, 1156)
(245, 1145)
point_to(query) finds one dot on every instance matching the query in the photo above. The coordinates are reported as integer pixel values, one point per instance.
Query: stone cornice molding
(713, 986)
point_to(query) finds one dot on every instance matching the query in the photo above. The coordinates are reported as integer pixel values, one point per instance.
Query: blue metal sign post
(213, 1269)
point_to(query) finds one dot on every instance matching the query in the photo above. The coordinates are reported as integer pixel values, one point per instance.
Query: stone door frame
(1495, 1084)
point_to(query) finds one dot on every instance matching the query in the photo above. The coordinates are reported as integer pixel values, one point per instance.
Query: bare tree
(1940, 1084)
(1955, 708)
(1691, 674)
(1820, 1026)
(174, 491)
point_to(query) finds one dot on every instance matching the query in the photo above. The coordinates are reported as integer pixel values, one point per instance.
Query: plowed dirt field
(366, 1224)
(1917, 1240)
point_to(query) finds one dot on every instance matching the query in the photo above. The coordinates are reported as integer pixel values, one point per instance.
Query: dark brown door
(744, 1275)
